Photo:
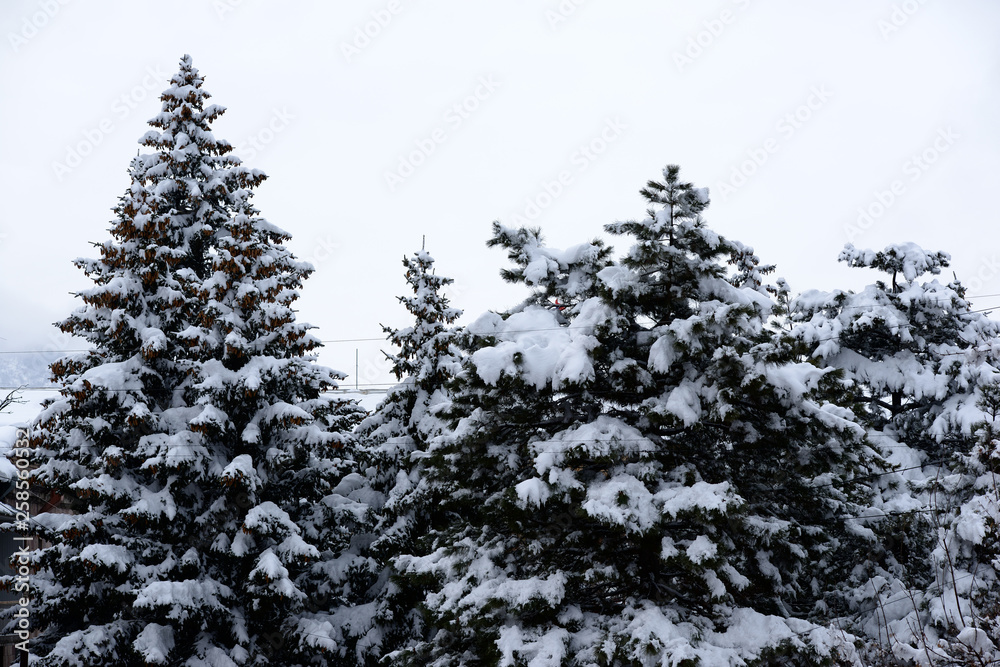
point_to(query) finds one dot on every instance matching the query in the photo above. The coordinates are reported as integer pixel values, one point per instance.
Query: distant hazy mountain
(28, 370)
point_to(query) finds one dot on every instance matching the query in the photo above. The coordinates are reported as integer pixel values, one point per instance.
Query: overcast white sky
(795, 114)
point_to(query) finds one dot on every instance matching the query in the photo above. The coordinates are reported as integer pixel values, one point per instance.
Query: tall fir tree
(395, 439)
(642, 476)
(208, 467)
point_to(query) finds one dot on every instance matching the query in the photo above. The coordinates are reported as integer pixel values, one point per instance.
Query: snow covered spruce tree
(643, 476)
(395, 438)
(919, 362)
(912, 348)
(208, 470)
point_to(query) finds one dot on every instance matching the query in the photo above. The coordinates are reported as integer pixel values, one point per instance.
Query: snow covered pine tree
(395, 440)
(641, 474)
(205, 462)
(920, 363)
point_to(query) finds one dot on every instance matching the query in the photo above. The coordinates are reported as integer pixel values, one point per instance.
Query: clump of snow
(532, 492)
(154, 643)
(536, 347)
(111, 556)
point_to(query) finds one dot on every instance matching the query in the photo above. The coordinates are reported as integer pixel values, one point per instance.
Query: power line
(375, 386)
(40, 351)
(353, 340)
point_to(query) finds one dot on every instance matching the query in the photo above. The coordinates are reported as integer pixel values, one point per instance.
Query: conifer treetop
(680, 209)
(678, 261)
(563, 277)
(424, 344)
(184, 111)
(908, 259)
